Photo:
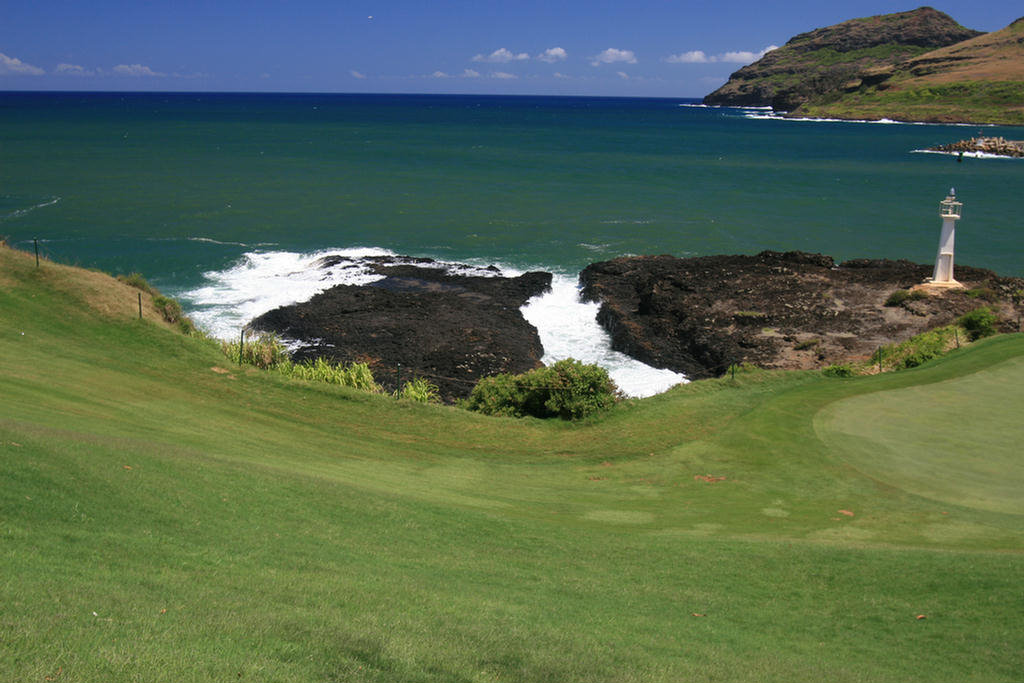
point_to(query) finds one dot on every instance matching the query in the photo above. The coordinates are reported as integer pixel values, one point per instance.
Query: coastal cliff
(450, 328)
(827, 59)
(788, 310)
(910, 66)
(980, 80)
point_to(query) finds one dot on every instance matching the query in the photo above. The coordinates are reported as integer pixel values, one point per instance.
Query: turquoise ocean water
(186, 187)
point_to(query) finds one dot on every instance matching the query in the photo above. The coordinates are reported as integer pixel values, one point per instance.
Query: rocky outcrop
(448, 327)
(998, 146)
(833, 59)
(776, 310)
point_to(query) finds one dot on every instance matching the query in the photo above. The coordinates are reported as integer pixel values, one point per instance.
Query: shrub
(187, 327)
(138, 282)
(839, 370)
(916, 350)
(981, 322)
(567, 389)
(168, 307)
(983, 293)
(806, 344)
(901, 295)
(420, 390)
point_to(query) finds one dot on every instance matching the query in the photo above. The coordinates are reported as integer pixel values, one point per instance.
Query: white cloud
(73, 70)
(700, 57)
(559, 74)
(439, 74)
(471, 73)
(136, 70)
(612, 56)
(13, 65)
(356, 74)
(691, 57)
(553, 54)
(501, 56)
(744, 57)
(503, 75)
(623, 75)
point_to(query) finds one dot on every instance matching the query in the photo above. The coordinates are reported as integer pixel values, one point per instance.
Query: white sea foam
(21, 212)
(210, 240)
(969, 155)
(781, 116)
(568, 328)
(262, 281)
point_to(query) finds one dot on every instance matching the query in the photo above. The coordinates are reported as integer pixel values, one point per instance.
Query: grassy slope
(273, 530)
(980, 80)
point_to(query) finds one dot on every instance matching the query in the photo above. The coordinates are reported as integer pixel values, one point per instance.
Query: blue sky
(574, 47)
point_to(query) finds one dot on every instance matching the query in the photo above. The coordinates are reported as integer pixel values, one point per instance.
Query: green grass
(997, 102)
(922, 439)
(275, 530)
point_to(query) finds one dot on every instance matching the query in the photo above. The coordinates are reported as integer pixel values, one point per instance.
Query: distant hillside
(979, 80)
(827, 59)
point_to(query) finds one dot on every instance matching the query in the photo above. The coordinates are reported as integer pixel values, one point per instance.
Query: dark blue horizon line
(282, 93)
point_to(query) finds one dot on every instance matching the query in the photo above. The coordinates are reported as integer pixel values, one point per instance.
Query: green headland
(919, 65)
(168, 516)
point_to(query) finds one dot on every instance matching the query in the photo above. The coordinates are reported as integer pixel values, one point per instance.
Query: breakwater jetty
(997, 145)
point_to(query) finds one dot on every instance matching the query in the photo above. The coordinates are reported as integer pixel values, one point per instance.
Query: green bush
(839, 370)
(420, 390)
(567, 389)
(168, 307)
(901, 295)
(138, 282)
(983, 293)
(981, 322)
(916, 350)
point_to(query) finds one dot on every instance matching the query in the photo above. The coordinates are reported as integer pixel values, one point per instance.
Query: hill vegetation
(169, 515)
(979, 80)
(914, 66)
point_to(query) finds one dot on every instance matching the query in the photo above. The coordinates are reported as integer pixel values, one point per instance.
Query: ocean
(225, 200)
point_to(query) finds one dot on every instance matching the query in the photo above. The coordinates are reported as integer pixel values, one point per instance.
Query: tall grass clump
(356, 375)
(137, 281)
(169, 308)
(420, 390)
(265, 351)
(567, 389)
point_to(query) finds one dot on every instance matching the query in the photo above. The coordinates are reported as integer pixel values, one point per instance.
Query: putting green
(959, 441)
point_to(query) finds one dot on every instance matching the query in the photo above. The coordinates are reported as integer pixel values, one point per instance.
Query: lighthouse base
(930, 284)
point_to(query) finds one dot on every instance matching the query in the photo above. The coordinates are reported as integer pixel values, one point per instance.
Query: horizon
(575, 49)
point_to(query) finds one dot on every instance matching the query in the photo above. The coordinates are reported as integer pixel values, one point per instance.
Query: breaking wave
(262, 281)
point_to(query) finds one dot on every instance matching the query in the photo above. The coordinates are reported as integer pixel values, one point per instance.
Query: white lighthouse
(949, 210)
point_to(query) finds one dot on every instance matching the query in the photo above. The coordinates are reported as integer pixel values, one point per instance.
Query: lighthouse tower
(949, 210)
